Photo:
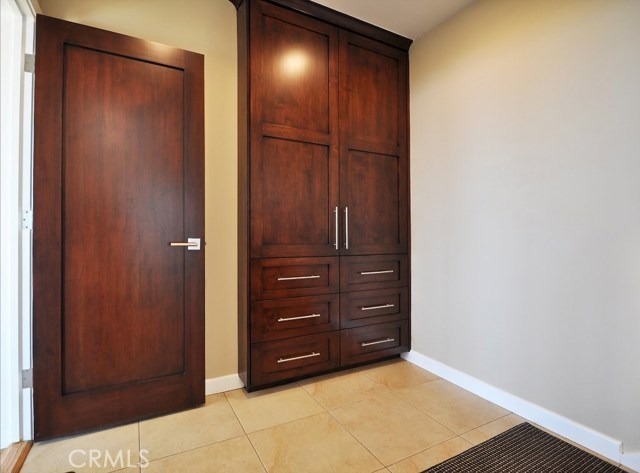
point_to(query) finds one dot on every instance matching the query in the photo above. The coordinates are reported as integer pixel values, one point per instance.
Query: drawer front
(284, 318)
(282, 359)
(371, 307)
(277, 278)
(373, 342)
(360, 273)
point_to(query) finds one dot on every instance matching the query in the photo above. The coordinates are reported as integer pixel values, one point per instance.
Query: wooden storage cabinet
(323, 191)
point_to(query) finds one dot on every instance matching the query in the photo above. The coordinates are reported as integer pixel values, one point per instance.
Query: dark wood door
(294, 139)
(118, 312)
(373, 147)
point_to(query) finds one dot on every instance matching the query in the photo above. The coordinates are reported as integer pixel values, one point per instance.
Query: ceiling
(410, 18)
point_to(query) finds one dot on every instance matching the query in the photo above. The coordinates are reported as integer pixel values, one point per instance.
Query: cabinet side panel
(243, 191)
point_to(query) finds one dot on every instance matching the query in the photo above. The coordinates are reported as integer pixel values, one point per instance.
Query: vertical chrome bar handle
(346, 228)
(335, 211)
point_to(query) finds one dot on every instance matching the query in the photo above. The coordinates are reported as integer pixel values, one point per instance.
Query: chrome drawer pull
(387, 340)
(369, 273)
(374, 307)
(310, 316)
(295, 278)
(310, 355)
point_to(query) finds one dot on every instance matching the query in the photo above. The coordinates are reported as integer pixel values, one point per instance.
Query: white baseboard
(222, 384)
(631, 460)
(578, 433)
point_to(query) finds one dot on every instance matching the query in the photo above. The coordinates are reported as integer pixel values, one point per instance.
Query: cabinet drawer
(277, 278)
(359, 273)
(373, 342)
(294, 357)
(372, 307)
(283, 318)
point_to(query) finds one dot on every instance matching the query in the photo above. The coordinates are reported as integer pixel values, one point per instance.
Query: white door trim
(18, 31)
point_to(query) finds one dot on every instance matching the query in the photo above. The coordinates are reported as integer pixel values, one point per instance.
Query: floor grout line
(188, 450)
(255, 450)
(426, 414)
(234, 413)
(358, 440)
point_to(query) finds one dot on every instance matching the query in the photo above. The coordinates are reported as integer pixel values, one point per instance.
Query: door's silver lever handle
(191, 244)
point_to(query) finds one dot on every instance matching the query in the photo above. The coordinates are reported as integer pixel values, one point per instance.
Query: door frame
(18, 39)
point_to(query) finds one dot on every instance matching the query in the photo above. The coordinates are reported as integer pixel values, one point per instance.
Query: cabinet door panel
(297, 70)
(373, 146)
(293, 199)
(374, 191)
(294, 134)
(372, 82)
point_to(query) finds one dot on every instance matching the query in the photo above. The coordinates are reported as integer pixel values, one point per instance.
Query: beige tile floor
(387, 417)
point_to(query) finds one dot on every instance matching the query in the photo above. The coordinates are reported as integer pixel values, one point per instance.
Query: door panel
(131, 199)
(118, 313)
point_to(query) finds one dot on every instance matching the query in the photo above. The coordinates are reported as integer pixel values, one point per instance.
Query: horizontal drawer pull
(294, 278)
(310, 316)
(369, 273)
(386, 340)
(374, 307)
(294, 358)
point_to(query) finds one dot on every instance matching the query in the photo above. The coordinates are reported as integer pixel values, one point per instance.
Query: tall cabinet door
(373, 147)
(294, 140)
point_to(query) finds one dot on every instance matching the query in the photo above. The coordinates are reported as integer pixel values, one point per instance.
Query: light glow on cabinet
(294, 63)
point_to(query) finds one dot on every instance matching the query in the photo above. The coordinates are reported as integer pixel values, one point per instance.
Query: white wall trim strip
(222, 384)
(631, 460)
(583, 435)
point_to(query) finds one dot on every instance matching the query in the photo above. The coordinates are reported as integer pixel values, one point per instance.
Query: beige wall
(525, 124)
(207, 27)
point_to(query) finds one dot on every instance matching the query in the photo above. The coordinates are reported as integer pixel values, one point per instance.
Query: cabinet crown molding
(340, 19)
